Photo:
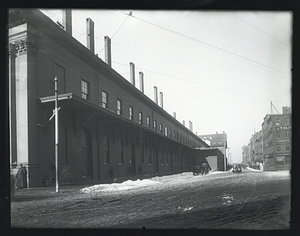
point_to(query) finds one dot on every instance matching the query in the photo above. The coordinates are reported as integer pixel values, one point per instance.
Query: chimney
(183, 122)
(174, 115)
(191, 126)
(141, 82)
(90, 34)
(67, 20)
(155, 95)
(286, 110)
(132, 74)
(107, 46)
(161, 99)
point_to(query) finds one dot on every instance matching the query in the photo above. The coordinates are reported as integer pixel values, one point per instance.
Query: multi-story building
(276, 130)
(246, 155)
(217, 140)
(256, 150)
(107, 128)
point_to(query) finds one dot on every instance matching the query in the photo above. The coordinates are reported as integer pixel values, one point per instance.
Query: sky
(218, 69)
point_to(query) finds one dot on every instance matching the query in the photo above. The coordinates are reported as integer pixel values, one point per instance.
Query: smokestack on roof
(67, 20)
(155, 95)
(141, 82)
(107, 43)
(183, 122)
(132, 73)
(90, 34)
(161, 99)
(174, 115)
(191, 126)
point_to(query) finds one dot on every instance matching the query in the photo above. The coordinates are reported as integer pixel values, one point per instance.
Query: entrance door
(172, 164)
(132, 158)
(86, 158)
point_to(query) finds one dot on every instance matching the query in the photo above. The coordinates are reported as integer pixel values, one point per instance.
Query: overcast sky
(218, 69)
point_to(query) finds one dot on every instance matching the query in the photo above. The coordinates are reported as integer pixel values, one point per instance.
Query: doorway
(132, 158)
(86, 159)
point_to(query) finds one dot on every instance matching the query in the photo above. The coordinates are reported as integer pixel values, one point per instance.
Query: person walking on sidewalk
(21, 177)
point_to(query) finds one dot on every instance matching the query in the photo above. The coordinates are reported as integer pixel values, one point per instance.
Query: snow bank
(248, 168)
(129, 184)
(180, 178)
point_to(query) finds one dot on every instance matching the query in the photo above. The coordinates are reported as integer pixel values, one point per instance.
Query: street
(220, 200)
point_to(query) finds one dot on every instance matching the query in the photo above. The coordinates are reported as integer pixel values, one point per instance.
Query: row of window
(279, 149)
(285, 121)
(119, 111)
(286, 134)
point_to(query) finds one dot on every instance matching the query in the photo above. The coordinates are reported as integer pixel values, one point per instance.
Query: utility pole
(56, 133)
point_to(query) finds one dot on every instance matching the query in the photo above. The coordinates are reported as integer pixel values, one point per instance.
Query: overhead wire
(99, 51)
(175, 77)
(258, 29)
(207, 44)
(197, 68)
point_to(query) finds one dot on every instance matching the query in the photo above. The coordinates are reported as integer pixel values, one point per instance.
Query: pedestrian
(21, 177)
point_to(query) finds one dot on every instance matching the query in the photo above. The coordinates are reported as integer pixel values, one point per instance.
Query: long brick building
(108, 128)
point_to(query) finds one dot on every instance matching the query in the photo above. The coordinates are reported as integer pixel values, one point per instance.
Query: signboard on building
(283, 127)
(283, 141)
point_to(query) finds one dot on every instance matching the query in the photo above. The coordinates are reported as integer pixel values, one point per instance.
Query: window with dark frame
(84, 89)
(277, 134)
(286, 121)
(160, 128)
(155, 125)
(287, 134)
(119, 107)
(104, 99)
(130, 113)
(278, 148)
(140, 118)
(148, 121)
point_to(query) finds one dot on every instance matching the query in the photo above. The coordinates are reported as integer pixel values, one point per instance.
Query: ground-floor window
(279, 160)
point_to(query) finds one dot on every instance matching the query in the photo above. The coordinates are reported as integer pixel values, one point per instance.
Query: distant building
(256, 150)
(276, 130)
(246, 154)
(217, 141)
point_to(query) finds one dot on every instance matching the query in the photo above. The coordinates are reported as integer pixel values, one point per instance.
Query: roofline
(69, 96)
(35, 17)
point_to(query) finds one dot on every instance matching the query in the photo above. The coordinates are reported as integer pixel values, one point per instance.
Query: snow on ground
(181, 178)
(248, 168)
(129, 184)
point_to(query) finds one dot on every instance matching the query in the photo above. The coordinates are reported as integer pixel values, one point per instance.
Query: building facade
(217, 140)
(246, 155)
(256, 151)
(109, 130)
(276, 130)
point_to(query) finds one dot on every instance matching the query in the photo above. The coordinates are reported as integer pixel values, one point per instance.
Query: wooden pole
(56, 133)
